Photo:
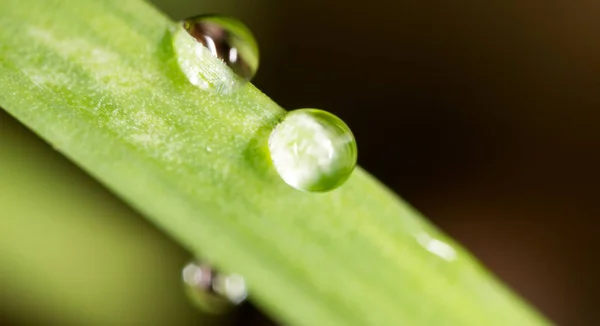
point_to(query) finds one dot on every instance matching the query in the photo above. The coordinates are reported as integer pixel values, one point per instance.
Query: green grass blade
(98, 80)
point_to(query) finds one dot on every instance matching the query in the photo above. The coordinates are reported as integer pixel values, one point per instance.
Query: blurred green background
(484, 115)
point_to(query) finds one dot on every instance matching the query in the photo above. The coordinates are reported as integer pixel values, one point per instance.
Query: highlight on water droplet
(313, 150)
(212, 291)
(437, 247)
(227, 39)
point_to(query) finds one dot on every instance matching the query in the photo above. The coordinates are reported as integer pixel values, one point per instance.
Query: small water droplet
(213, 291)
(313, 150)
(227, 39)
(437, 247)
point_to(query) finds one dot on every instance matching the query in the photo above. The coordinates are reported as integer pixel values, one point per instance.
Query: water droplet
(313, 150)
(213, 291)
(437, 247)
(227, 39)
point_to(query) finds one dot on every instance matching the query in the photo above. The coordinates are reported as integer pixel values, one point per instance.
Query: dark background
(483, 115)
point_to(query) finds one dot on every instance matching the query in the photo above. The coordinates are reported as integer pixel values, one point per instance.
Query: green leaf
(100, 81)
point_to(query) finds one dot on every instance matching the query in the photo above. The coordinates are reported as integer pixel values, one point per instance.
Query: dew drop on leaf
(437, 247)
(227, 39)
(212, 291)
(313, 150)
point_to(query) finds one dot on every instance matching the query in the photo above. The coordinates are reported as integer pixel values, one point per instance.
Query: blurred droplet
(437, 247)
(227, 39)
(313, 150)
(232, 286)
(212, 291)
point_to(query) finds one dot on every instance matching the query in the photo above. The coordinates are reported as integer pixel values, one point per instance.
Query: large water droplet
(227, 39)
(213, 291)
(313, 150)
